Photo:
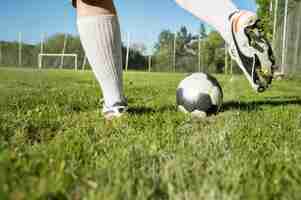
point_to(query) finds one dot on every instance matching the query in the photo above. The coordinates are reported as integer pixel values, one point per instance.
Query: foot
(115, 112)
(251, 50)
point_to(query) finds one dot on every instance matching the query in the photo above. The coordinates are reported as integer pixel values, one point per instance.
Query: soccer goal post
(42, 55)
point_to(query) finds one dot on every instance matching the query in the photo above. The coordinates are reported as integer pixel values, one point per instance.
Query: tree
(203, 32)
(137, 60)
(187, 48)
(214, 52)
(10, 53)
(55, 44)
(186, 54)
(267, 17)
(163, 51)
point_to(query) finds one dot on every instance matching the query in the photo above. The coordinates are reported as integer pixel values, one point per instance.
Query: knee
(178, 1)
(95, 7)
(181, 2)
(97, 2)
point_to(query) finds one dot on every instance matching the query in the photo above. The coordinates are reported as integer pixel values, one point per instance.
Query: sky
(143, 19)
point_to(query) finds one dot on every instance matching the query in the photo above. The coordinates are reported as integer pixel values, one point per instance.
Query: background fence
(287, 34)
(179, 51)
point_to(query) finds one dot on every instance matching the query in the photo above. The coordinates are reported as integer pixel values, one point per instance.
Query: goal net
(60, 61)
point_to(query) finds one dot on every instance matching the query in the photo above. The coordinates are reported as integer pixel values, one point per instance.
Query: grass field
(54, 143)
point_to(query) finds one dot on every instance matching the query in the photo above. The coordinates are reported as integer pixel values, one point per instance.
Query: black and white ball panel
(200, 102)
(200, 91)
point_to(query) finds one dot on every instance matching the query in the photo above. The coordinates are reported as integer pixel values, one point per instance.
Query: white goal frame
(41, 55)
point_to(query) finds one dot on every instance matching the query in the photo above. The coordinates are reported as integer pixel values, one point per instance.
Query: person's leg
(95, 7)
(243, 33)
(99, 32)
(214, 12)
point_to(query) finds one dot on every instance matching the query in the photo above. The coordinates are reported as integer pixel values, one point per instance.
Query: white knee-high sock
(101, 40)
(214, 12)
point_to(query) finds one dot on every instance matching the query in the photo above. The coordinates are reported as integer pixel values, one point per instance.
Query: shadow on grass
(256, 105)
(141, 110)
(230, 105)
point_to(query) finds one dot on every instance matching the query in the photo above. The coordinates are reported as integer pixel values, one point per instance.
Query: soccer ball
(199, 94)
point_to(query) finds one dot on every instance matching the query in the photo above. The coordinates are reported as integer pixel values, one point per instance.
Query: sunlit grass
(54, 143)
